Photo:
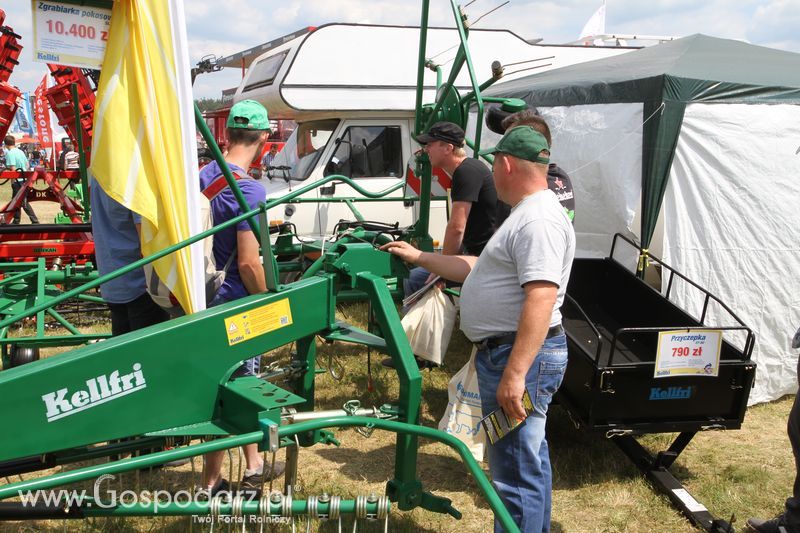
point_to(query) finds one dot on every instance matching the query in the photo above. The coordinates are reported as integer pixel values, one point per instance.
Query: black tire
(21, 355)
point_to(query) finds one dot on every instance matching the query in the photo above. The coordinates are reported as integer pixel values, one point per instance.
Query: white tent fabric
(731, 219)
(600, 147)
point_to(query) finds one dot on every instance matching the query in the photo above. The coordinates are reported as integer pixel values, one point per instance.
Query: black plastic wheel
(23, 354)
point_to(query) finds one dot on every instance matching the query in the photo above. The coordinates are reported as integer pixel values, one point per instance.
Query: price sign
(69, 34)
(688, 353)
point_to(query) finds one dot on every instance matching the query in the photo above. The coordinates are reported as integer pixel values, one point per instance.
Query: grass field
(742, 473)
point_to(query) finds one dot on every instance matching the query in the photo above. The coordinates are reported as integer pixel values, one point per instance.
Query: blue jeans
(249, 367)
(416, 279)
(520, 462)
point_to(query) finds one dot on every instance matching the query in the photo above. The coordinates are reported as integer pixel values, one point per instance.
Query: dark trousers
(793, 428)
(136, 314)
(16, 185)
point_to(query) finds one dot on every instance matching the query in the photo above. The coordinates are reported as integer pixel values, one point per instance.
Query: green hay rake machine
(168, 385)
(27, 283)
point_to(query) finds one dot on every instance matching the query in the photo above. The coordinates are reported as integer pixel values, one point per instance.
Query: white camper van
(352, 89)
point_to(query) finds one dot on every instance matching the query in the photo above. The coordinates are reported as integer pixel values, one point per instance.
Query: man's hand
(453, 267)
(403, 250)
(534, 321)
(439, 284)
(509, 395)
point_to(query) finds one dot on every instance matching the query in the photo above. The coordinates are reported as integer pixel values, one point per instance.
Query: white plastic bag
(462, 417)
(429, 325)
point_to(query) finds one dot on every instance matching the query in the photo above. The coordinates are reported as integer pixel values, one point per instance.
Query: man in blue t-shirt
(248, 131)
(16, 160)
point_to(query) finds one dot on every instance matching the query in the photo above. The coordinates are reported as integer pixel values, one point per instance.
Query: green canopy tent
(665, 78)
(735, 84)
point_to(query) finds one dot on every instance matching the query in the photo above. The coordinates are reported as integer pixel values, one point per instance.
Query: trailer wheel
(23, 354)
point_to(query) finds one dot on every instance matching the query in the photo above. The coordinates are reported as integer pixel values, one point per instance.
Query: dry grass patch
(596, 489)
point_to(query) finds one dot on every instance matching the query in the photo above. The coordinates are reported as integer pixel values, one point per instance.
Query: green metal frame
(448, 106)
(118, 388)
(154, 459)
(209, 404)
(26, 284)
(76, 105)
(198, 406)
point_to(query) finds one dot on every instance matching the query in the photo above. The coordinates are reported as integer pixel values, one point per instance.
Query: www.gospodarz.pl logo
(153, 500)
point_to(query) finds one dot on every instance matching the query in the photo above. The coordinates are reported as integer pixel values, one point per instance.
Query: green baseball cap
(249, 115)
(523, 142)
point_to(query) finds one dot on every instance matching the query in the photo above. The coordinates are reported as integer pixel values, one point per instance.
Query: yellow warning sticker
(258, 321)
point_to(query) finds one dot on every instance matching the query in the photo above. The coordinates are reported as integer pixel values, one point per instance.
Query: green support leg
(306, 357)
(405, 488)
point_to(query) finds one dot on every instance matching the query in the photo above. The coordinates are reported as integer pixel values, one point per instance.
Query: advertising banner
(68, 34)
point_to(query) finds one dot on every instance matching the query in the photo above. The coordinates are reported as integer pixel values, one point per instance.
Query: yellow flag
(144, 145)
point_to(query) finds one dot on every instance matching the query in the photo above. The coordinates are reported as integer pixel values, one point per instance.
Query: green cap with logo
(248, 115)
(523, 142)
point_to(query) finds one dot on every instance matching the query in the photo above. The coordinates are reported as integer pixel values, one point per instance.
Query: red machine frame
(51, 241)
(9, 58)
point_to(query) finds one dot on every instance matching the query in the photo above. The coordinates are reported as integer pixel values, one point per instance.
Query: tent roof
(640, 74)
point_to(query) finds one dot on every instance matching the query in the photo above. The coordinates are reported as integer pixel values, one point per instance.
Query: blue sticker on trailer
(670, 393)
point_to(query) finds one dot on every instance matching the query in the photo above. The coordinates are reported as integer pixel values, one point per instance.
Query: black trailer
(612, 320)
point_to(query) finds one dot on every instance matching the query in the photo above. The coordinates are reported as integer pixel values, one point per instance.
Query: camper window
(263, 72)
(367, 151)
(300, 154)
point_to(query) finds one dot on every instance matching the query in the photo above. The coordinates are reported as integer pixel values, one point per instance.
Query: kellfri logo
(101, 389)
(671, 393)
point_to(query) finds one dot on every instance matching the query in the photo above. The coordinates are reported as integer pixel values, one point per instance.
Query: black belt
(508, 338)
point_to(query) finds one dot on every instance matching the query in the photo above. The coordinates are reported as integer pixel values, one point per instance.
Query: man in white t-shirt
(72, 161)
(510, 308)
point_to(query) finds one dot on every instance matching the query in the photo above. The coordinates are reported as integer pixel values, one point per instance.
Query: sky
(228, 26)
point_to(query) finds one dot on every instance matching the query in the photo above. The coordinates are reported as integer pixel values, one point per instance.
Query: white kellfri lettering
(100, 389)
